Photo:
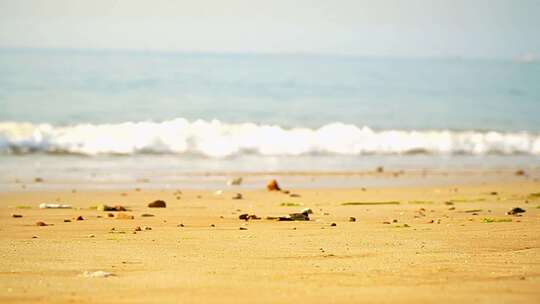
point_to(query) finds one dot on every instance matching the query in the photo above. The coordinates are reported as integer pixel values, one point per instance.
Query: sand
(464, 252)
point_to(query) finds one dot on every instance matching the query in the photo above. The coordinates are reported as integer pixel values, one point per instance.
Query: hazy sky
(477, 28)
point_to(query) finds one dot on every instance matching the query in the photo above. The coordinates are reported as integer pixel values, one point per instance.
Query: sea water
(119, 112)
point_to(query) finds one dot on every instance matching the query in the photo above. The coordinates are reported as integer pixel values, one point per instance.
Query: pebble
(273, 186)
(138, 228)
(102, 207)
(146, 215)
(79, 218)
(110, 215)
(243, 228)
(180, 225)
(516, 211)
(41, 224)
(307, 211)
(67, 221)
(157, 204)
(91, 236)
(16, 215)
(212, 225)
(333, 225)
(352, 219)
(235, 181)
(237, 196)
(97, 274)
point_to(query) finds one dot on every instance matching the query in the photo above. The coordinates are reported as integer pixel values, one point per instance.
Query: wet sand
(452, 243)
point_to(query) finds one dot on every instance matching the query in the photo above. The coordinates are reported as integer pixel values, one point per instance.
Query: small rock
(138, 228)
(307, 211)
(273, 186)
(91, 236)
(285, 191)
(79, 218)
(16, 215)
(235, 181)
(394, 221)
(97, 274)
(212, 225)
(67, 221)
(41, 224)
(110, 215)
(237, 196)
(494, 193)
(124, 216)
(53, 206)
(386, 222)
(516, 211)
(157, 204)
(34, 236)
(38, 180)
(333, 225)
(102, 207)
(352, 219)
(147, 215)
(294, 195)
(520, 173)
(147, 228)
(243, 228)
(299, 216)
(380, 169)
(180, 225)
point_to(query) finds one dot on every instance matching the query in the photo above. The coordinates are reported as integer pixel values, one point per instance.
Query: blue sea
(105, 112)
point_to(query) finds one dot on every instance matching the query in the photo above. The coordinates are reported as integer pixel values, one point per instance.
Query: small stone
(294, 195)
(380, 169)
(352, 219)
(386, 222)
(516, 211)
(67, 221)
(34, 236)
(102, 207)
(299, 216)
(147, 228)
(243, 228)
(157, 204)
(124, 216)
(237, 196)
(110, 215)
(235, 181)
(212, 225)
(38, 180)
(138, 228)
(180, 225)
(79, 218)
(41, 224)
(394, 221)
(91, 236)
(333, 225)
(307, 211)
(494, 193)
(97, 274)
(273, 186)
(147, 215)
(520, 173)
(16, 215)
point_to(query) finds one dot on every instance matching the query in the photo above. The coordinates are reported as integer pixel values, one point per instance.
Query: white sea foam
(218, 139)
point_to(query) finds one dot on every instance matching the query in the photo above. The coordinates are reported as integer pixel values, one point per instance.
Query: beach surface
(446, 243)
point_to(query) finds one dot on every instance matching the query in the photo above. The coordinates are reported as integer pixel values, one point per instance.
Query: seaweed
(494, 220)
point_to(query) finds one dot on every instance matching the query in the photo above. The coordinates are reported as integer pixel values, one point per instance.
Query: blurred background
(124, 91)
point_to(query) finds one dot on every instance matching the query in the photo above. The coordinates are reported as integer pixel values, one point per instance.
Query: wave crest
(218, 139)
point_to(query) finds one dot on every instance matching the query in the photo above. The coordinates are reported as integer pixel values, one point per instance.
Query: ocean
(126, 115)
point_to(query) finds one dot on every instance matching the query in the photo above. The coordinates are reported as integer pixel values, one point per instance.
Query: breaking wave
(218, 139)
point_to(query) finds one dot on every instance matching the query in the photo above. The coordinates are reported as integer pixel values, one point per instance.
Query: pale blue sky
(474, 28)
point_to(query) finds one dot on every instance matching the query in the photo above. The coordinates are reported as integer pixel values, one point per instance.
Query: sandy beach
(408, 244)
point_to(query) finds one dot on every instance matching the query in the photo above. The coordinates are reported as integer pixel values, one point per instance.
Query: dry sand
(435, 255)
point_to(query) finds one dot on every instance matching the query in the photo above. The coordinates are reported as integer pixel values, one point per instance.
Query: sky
(397, 28)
